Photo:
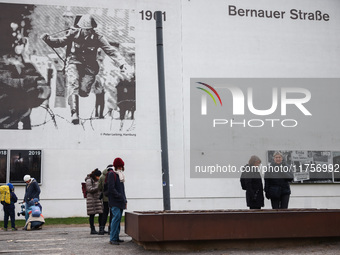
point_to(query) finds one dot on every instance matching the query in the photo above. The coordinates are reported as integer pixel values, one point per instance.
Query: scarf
(120, 174)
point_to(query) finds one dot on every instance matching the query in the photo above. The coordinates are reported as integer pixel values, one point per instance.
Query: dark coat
(32, 191)
(277, 183)
(93, 203)
(254, 190)
(116, 191)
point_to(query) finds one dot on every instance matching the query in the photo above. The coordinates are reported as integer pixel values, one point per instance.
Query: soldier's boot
(74, 105)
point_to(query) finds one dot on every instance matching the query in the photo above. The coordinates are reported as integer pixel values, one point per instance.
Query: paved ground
(77, 240)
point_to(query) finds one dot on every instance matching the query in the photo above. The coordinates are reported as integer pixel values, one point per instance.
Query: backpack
(83, 189)
(36, 211)
(106, 186)
(5, 194)
(243, 180)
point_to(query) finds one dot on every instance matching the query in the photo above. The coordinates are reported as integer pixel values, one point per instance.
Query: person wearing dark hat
(9, 209)
(93, 203)
(82, 67)
(117, 198)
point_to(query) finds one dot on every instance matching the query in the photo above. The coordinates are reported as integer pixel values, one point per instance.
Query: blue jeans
(36, 224)
(115, 223)
(27, 209)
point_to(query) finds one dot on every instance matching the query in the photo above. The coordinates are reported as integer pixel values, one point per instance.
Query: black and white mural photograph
(311, 166)
(65, 67)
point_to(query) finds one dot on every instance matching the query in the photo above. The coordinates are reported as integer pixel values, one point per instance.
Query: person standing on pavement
(117, 198)
(105, 200)
(253, 183)
(277, 182)
(93, 203)
(9, 209)
(32, 191)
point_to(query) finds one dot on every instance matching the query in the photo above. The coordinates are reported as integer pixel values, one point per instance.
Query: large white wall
(200, 41)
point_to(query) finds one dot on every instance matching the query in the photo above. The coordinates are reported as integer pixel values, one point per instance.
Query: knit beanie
(118, 162)
(10, 185)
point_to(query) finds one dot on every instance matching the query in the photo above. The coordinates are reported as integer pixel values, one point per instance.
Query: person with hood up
(32, 191)
(9, 209)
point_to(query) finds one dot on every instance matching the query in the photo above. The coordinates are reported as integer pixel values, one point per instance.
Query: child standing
(9, 209)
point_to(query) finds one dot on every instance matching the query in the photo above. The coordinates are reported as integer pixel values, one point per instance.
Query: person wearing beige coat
(93, 203)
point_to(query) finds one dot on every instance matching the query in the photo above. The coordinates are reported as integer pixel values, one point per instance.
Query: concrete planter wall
(165, 227)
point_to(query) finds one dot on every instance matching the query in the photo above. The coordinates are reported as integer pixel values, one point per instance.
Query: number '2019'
(34, 153)
(149, 15)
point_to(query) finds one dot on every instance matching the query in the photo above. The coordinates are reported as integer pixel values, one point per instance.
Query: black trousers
(280, 203)
(106, 212)
(9, 213)
(91, 219)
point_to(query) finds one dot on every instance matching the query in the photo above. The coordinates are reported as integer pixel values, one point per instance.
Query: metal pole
(162, 111)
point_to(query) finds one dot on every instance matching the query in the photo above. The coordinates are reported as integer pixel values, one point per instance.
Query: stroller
(35, 219)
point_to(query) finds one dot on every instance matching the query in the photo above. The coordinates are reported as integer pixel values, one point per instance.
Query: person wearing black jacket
(277, 179)
(117, 198)
(253, 182)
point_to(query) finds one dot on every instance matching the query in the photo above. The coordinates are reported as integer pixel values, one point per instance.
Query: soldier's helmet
(87, 22)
